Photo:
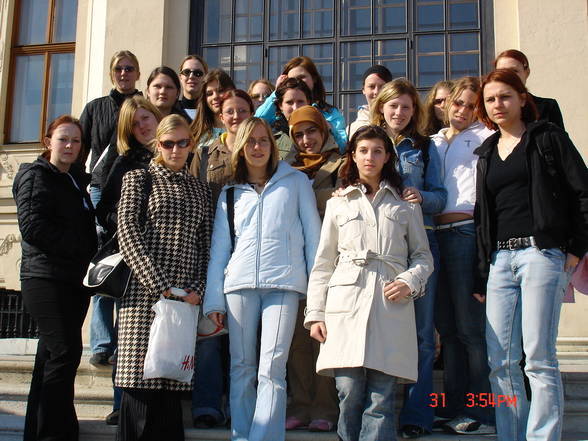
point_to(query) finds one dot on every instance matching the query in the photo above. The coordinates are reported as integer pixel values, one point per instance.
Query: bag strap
(203, 163)
(231, 215)
(146, 194)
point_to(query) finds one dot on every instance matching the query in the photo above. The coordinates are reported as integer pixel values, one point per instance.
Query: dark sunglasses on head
(169, 144)
(127, 69)
(196, 72)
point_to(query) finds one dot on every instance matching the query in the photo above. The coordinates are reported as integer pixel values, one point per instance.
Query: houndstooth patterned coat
(171, 249)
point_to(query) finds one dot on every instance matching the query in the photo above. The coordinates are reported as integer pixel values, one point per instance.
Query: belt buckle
(513, 243)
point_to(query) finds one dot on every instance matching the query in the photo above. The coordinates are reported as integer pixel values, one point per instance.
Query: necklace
(507, 149)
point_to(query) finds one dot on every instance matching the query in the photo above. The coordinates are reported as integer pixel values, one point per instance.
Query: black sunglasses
(169, 144)
(127, 69)
(196, 72)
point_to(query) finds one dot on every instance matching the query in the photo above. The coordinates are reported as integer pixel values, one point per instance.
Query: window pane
(33, 22)
(27, 96)
(249, 20)
(218, 57)
(247, 65)
(278, 56)
(464, 55)
(322, 55)
(317, 18)
(390, 16)
(463, 14)
(284, 19)
(65, 20)
(430, 59)
(60, 85)
(217, 24)
(356, 57)
(349, 105)
(355, 17)
(392, 54)
(430, 15)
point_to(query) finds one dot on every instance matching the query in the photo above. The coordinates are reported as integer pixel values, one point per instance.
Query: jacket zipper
(257, 256)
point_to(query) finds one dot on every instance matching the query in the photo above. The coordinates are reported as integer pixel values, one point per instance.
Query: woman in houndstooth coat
(168, 246)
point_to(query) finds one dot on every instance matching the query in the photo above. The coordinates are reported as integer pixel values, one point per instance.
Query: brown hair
(319, 94)
(514, 54)
(465, 83)
(431, 124)
(262, 81)
(60, 120)
(238, 93)
(197, 58)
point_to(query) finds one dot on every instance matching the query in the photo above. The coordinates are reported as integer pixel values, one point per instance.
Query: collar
(120, 97)
(220, 144)
(167, 173)
(384, 185)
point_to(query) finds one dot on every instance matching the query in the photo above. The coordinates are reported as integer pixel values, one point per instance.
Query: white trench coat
(364, 244)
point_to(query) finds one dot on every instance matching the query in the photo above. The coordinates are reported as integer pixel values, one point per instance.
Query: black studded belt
(516, 243)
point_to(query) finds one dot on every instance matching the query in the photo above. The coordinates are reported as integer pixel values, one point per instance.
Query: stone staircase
(94, 402)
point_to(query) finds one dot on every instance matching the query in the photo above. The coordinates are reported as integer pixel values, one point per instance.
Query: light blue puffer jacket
(277, 235)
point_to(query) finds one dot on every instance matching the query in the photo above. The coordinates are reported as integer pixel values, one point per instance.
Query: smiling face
(503, 104)
(371, 87)
(163, 93)
(258, 149)
(191, 81)
(515, 65)
(292, 100)
(234, 111)
(461, 110)
(439, 103)
(370, 156)
(308, 137)
(175, 157)
(397, 113)
(213, 97)
(302, 74)
(144, 126)
(65, 145)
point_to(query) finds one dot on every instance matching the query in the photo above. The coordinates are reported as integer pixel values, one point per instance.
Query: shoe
(410, 431)
(293, 423)
(468, 426)
(112, 418)
(99, 359)
(321, 426)
(204, 422)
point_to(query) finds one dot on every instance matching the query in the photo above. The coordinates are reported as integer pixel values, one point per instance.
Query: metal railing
(15, 322)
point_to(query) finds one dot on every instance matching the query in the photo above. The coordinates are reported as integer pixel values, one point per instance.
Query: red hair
(60, 120)
(507, 76)
(515, 55)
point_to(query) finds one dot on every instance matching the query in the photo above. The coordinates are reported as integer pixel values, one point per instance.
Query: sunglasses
(196, 72)
(262, 96)
(127, 69)
(181, 143)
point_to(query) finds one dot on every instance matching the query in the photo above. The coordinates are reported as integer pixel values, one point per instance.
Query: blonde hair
(124, 131)
(169, 124)
(238, 164)
(465, 83)
(431, 124)
(262, 81)
(119, 55)
(197, 58)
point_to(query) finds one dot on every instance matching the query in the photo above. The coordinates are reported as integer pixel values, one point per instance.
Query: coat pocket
(350, 225)
(343, 289)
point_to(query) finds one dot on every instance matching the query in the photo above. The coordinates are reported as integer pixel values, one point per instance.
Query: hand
(397, 290)
(281, 79)
(192, 298)
(412, 195)
(318, 331)
(218, 319)
(571, 262)
(337, 192)
(479, 297)
(167, 293)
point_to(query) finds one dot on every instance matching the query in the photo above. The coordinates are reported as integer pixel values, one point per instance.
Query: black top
(549, 110)
(187, 103)
(508, 188)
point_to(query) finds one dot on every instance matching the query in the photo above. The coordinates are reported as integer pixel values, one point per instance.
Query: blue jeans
(416, 409)
(260, 414)
(207, 394)
(525, 291)
(460, 320)
(366, 404)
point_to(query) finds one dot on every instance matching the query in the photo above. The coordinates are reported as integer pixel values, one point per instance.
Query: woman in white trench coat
(373, 260)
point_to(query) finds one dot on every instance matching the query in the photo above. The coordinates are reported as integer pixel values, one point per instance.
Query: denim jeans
(460, 320)
(416, 409)
(102, 325)
(525, 291)
(209, 379)
(366, 404)
(260, 414)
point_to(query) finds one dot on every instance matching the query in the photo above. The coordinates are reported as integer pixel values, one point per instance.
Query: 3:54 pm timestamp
(477, 400)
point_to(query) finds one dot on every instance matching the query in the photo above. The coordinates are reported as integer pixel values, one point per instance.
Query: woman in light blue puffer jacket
(277, 229)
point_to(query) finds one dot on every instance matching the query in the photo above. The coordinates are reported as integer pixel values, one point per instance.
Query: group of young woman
(461, 232)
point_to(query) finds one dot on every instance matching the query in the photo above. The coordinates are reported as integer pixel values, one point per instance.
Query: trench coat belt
(361, 258)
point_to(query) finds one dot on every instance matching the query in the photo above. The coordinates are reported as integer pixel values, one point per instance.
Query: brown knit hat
(309, 114)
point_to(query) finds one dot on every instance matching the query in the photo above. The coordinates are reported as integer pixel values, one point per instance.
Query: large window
(424, 40)
(42, 63)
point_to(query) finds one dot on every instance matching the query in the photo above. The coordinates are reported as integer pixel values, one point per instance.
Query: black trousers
(150, 415)
(59, 309)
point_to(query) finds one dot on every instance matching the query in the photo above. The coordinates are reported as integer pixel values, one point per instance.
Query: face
(398, 113)
(370, 156)
(191, 80)
(213, 97)
(371, 87)
(461, 110)
(503, 104)
(144, 126)
(259, 93)
(308, 137)
(162, 92)
(65, 145)
(439, 103)
(302, 74)
(235, 111)
(125, 75)
(292, 100)
(515, 65)
(258, 149)
(180, 142)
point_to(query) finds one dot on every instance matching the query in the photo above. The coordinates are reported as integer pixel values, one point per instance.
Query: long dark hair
(319, 94)
(350, 174)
